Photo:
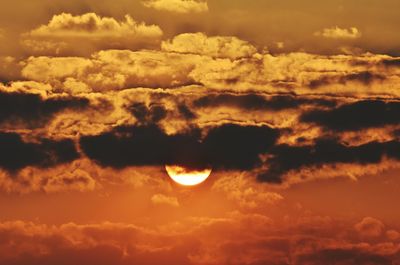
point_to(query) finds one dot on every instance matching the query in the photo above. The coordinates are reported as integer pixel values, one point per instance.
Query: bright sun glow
(187, 177)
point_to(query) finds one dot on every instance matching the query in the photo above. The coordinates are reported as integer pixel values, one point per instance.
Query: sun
(186, 177)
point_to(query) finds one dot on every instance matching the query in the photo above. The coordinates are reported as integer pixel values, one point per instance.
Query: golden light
(187, 177)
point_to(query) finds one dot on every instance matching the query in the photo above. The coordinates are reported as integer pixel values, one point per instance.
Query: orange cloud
(160, 199)
(234, 239)
(370, 227)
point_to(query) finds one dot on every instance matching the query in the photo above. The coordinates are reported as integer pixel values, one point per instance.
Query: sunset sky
(293, 104)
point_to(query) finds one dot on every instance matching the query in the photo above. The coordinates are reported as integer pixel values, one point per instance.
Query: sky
(293, 105)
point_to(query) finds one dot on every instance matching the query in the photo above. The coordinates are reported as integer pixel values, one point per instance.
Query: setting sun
(187, 177)
(199, 132)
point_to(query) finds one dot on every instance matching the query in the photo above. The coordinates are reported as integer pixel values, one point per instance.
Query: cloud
(259, 102)
(344, 256)
(393, 62)
(235, 238)
(340, 33)
(10, 69)
(218, 46)
(32, 111)
(285, 158)
(17, 154)
(356, 116)
(370, 227)
(148, 115)
(160, 199)
(246, 192)
(89, 31)
(367, 78)
(393, 235)
(186, 112)
(178, 6)
(76, 176)
(114, 70)
(306, 98)
(229, 147)
(296, 74)
(238, 147)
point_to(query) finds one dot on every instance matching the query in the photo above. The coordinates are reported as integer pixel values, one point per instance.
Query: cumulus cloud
(215, 67)
(233, 239)
(340, 33)
(393, 235)
(10, 69)
(218, 46)
(65, 32)
(113, 70)
(162, 93)
(370, 227)
(178, 6)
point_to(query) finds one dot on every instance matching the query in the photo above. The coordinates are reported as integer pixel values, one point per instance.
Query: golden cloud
(218, 46)
(339, 33)
(65, 33)
(178, 6)
(219, 67)
(113, 70)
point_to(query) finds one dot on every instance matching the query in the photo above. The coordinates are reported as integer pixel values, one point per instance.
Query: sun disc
(187, 177)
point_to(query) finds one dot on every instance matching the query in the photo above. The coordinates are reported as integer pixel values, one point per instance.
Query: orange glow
(186, 177)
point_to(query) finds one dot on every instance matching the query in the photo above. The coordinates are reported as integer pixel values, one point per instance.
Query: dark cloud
(258, 102)
(142, 146)
(239, 147)
(33, 111)
(325, 151)
(186, 112)
(356, 116)
(391, 62)
(365, 78)
(16, 154)
(344, 256)
(155, 112)
(225, 147)
(148, 114)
